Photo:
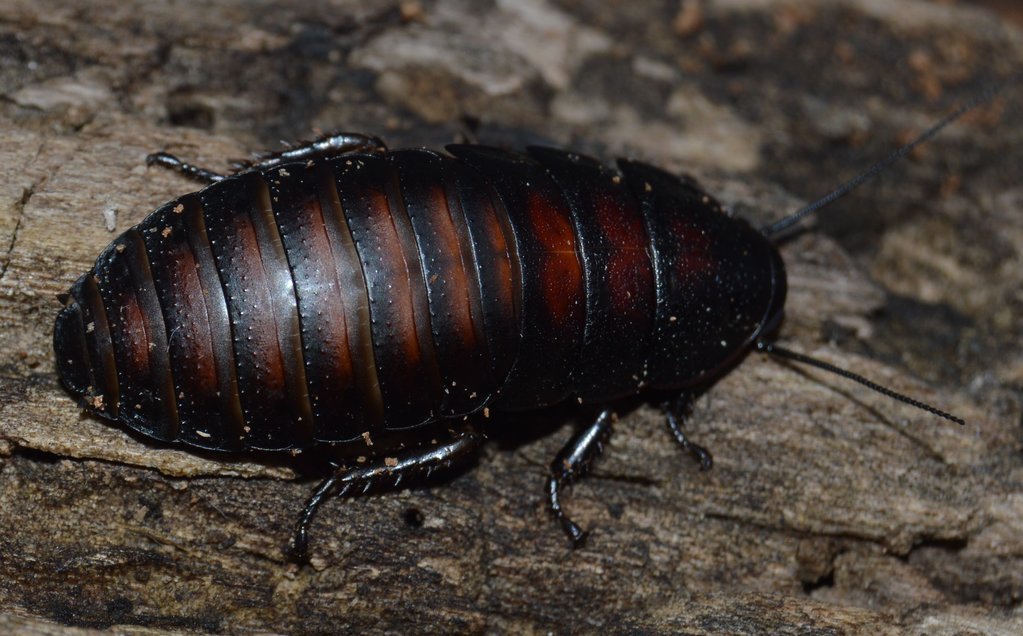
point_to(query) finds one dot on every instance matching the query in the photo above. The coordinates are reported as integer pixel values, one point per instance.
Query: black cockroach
(340, 292)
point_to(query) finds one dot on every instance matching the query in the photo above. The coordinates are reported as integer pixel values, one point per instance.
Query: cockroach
(341, 293)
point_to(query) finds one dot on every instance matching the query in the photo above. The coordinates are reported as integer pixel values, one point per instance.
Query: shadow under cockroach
(342, 304)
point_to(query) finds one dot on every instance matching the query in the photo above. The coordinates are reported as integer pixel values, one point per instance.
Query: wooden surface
(829, 510)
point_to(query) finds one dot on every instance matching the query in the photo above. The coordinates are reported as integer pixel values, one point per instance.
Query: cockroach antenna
(280, 230)
(775, 350)
(877, 168)
(779, 226)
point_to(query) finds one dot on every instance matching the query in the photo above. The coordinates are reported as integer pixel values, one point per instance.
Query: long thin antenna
(773, 349)
(871, 172)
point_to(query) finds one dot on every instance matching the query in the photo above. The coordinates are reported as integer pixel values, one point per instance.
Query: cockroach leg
(572, 463)
(675, 413)
(329, 145)
(168, 160)
(385, 472)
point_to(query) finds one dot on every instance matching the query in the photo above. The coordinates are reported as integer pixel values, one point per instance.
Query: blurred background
(829, 509)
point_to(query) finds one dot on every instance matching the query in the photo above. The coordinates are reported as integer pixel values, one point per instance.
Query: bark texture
(830, 509)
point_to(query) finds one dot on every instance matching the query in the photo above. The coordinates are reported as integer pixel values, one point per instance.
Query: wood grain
(829, 509)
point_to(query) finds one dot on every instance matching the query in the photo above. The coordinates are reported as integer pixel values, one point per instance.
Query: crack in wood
(26, 194)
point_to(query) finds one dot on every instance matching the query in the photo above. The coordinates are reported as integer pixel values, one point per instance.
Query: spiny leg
(572, 463)
(360, 480)
(329, 145)
(168, 160)
(675, 413)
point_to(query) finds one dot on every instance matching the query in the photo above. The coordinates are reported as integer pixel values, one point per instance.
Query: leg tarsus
(360, 480)
(168, 160)
(572, 463)
(675, 415)
(329, 145)
(576, 535)
(299, 550)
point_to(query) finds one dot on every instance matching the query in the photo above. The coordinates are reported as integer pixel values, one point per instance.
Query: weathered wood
(829, 508)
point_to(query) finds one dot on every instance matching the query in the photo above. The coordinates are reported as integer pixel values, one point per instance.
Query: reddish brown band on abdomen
(337, 299)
